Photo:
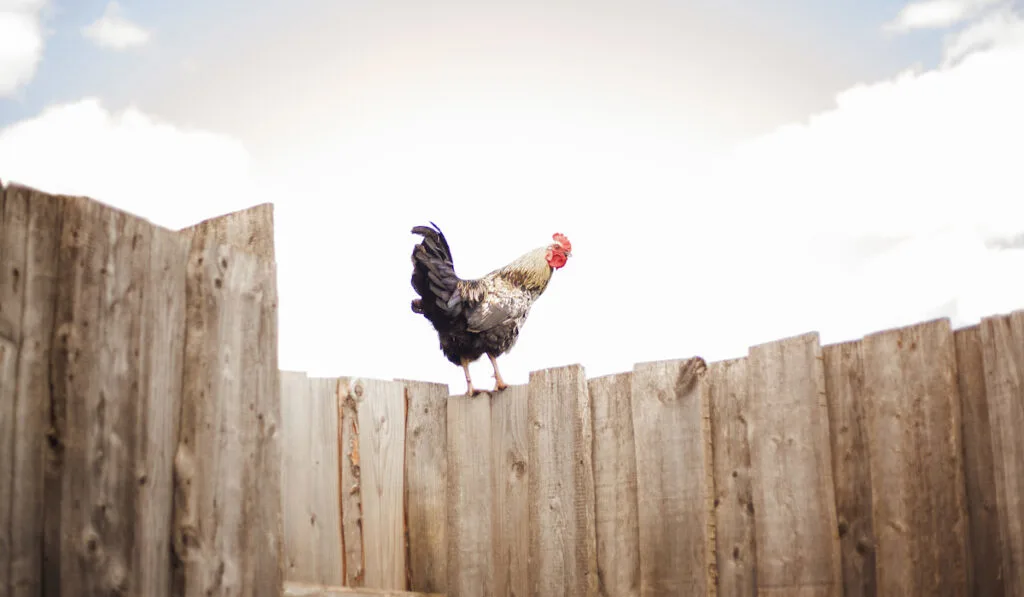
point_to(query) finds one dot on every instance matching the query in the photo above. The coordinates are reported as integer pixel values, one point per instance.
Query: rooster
(482, 316)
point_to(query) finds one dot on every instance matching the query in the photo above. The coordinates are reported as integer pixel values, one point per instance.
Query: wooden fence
(139, 403)
(149, 446)
(887, 466)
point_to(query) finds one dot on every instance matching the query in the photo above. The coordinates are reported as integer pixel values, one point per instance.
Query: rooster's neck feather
(530, 271)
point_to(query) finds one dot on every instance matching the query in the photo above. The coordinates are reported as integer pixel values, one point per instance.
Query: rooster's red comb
(562, 240)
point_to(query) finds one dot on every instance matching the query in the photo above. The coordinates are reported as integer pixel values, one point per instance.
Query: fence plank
(296, 469)
(913, 414)
(228, 526)
(163, 340)
(470, 571)
(309, 479)
(97, 384)
(794, 498)
(510, 473)
(29, 246)
(844, 389)
(426, 485)
(351, 491)
(671, 429)
(734, 507)
(1002, 340)
(380, 411)
(14, 216)
(326, 518)
(986, 564)
(249, 233)
(563, 540)
(615, 508)
(296, 589)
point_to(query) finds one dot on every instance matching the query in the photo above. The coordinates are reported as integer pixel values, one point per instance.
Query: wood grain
(296, 469)
(917, 483)
(510, 468)
(109, 392)
(251, 231)
(159, 404)
(844, 389)
(563, 542)
(470, 533)
(29, 245)
(675, 489)
(794, 497)
(380, 410)
(734, 507)
(985, 569)
(228, 527)
(426, 485)
(309, 479)
(1002, 343)
(296, 589)
(350, 485)
(615, 508)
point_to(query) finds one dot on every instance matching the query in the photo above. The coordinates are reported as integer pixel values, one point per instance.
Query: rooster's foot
(500, 386)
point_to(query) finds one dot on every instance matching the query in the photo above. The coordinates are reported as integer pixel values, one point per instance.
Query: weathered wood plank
(986, 562)
(913, 421)
(1002, 343)
(14, 215)
(797, 544)
(29, 246)
(351, 492)
(734, 507)
(470, 570)
(325, 520)
(296, 503)
(426, 485)
(615, 508)
(671, 429)
(251, 231)
(563, 541)
(228, 527)
(159, 403)
(98, 384)
(309, 479)
(510, 510)
(380, 408)
(844, 389)
(295, 589)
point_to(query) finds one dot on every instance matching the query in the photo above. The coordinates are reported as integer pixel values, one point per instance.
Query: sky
(729, 173)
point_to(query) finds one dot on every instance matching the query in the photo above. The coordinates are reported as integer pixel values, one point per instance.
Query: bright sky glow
(727, 176)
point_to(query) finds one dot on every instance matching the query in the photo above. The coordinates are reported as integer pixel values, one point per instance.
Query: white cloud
(171, 176)
(938, 14)
(925, 163)
(1000, 28)
(114, 31)
(21, 43)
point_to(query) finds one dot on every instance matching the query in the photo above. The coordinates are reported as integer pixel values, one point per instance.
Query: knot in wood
(91, 547)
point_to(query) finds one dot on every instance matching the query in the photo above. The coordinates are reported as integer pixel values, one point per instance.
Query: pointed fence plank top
(790, 456)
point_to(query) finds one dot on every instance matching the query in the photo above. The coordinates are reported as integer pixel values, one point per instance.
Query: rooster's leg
(499, 383)
(470, 390)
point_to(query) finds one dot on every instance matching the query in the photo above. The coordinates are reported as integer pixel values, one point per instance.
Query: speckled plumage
(475, 317)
